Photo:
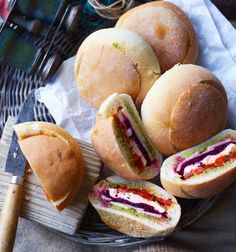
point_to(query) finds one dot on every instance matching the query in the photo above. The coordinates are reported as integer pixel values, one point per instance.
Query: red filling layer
(218, 162)
(141, 192)
(145, 194)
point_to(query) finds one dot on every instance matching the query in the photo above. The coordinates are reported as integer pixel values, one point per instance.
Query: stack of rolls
(118, 70)
(129, 58)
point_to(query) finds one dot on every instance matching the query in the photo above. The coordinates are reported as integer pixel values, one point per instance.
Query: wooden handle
(9, 217)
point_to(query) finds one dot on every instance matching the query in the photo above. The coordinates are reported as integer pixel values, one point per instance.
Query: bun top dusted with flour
(166, 28)
(115, 61)
(185, 106)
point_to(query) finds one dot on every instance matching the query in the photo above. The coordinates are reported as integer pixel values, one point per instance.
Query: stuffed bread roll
(120, 140)
(204, 170)
(135, 208)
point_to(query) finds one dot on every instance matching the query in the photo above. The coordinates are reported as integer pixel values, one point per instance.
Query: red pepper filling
(218, 162)
(145, 194)
(141, 205)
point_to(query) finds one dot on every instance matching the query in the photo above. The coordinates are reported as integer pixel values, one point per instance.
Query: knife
(15, 164)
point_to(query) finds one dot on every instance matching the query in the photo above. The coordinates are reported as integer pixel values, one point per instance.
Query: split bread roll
(166, 28)
(115, 61)
(185, 106)
(120, 140)
(204, 170)
(138, 209)
(56, 159)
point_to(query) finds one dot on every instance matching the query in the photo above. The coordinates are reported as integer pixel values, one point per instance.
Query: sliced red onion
(107, 198)
(128, 126)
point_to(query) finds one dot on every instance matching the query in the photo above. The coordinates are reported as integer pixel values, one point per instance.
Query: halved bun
(166, 28)
(56, 159)
(129, 221)
(185, 106)
(120, 151)
(205, 184)
(115, 61)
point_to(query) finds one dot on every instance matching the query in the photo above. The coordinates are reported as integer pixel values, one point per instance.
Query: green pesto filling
(191, 152)
(118, 46)
(126, 150)
(135, 213)
(140, 130)
(213, 170)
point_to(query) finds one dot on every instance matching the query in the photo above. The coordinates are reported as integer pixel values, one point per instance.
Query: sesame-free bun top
(115, 61)
(166, 28)
(55, 157)
(185, 106)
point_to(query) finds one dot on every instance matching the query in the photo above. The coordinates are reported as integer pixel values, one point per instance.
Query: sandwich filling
(141, 156)
(215, 156)
(138, 200)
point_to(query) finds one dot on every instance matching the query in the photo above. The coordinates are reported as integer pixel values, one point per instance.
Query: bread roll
(138, 209)
(166, 28)
(186, 106)
(121, 142)
(115, 61)
(204, 170)
(56, 159)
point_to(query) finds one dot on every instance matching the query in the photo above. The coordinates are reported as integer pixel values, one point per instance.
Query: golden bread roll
(185, 106)
(56, 159)
(115, 61)
(166, 28)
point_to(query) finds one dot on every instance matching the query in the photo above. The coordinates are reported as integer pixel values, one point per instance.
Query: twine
(113, 10)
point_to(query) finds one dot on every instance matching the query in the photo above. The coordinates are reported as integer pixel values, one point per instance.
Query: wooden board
(35, 206)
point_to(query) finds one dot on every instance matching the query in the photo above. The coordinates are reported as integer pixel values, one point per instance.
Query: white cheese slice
(189, 168)
(135, 147)
(210, 159)
(135, 198)
(137, 209)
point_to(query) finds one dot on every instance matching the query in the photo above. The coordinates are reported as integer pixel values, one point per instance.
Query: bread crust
(120, 61)
(172, 37)
(195, 111)
(127, 226)
(122, 78)
(56, 159)
(175, 103)
(105, 144)
(202, 190)
(207, 185)
(192, 45)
